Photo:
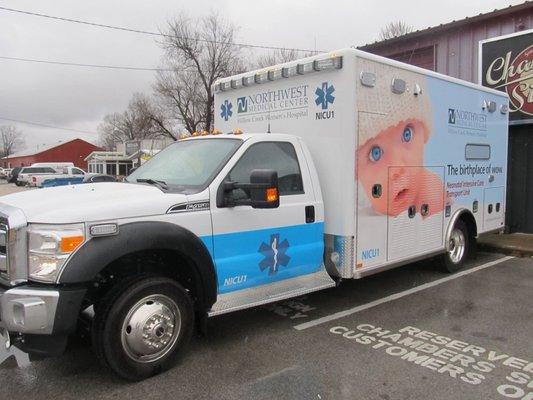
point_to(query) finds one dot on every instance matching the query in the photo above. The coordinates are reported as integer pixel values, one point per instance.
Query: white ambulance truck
(371, 164)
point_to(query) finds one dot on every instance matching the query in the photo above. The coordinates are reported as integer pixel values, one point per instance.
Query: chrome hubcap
(151, 328)
(456, 246)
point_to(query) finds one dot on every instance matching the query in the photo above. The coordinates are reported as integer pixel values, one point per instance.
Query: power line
(44, 125)
(83, 65)
(144, 32)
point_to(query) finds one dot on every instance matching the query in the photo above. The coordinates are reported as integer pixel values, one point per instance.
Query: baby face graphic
(384, 159)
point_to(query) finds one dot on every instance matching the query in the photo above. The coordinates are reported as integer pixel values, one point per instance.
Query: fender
(94, 255)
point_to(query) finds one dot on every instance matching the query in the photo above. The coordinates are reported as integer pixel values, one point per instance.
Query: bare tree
(11, 139)
(394, 29)
(136, 122)
(198, 51)
(278, 57)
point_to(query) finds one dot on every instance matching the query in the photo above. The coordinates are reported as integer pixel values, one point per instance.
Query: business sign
(507, 65)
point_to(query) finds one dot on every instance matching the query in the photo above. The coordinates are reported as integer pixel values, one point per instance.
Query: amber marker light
(272, 195)
(70, 243)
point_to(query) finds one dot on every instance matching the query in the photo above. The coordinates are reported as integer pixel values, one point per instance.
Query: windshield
(188, 165)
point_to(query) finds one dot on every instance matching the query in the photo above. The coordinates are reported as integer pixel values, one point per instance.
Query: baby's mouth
(401, 195)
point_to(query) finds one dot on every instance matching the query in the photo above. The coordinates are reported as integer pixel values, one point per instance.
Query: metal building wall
(456, 44)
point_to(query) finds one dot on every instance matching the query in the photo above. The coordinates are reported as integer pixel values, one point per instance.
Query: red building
(500, 41)
(74, 151)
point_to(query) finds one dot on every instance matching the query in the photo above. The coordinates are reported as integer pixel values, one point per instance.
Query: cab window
(278, 156)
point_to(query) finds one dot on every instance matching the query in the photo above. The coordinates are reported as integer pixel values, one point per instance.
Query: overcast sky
(78, 98)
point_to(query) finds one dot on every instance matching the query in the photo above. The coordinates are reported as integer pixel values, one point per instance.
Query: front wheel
(142, 326)
(460, 245)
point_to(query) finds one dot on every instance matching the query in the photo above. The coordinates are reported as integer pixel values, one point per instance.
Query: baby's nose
(398, 172)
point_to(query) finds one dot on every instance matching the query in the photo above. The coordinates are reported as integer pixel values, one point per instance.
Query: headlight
(49, 246)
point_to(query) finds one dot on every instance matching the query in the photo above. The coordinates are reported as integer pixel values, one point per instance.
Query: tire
(461, 247)
(155, 306)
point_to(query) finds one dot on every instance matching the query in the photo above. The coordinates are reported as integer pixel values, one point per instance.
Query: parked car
(99, 178)
(66, 172)
(13, 175)
(28, 175)
(76, 180)
(4, 172)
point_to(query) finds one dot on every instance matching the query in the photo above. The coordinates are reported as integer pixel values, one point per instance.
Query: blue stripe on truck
(253, 258)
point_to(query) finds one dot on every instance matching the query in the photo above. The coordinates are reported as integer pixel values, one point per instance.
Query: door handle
(309, 214)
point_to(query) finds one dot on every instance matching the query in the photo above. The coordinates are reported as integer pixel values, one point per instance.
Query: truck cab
(212, 224)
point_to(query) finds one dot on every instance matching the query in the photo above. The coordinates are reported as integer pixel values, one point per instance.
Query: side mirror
(262, 189)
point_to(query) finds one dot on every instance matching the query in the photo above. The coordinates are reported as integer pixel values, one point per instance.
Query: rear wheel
(142, 326)
(459, 248)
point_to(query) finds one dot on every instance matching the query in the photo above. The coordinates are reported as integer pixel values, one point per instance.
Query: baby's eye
(407, 134)
(375, 153)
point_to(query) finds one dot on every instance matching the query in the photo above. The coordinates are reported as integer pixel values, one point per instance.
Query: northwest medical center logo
(225, 110)
(288, 102)
(275, 254)
(467, 119)
(242, 105)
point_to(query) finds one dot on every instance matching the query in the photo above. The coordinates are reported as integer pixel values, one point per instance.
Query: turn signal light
(70, 243)
(272, 195)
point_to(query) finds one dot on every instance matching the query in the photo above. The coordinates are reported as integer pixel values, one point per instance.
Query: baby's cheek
(380, 204)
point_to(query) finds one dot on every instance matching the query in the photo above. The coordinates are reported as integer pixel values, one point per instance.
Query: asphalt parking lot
(8, 188)
(409, 333)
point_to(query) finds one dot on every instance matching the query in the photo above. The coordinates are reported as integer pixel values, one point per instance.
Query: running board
(264, 294)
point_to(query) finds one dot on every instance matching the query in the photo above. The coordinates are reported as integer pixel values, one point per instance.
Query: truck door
(255, 247)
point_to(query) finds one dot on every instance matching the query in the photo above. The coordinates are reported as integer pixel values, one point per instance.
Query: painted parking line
(395, 296)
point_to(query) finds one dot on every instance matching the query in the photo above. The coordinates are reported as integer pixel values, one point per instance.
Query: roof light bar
(328, 63)
(261, 77)
(275, 74)
(225, 85)
(287, 72)
(236, 83)
(247, 80)
(304, 68)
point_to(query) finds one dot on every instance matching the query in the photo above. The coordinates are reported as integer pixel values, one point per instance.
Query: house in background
(128, 155)
(74, 151)
(504, 38)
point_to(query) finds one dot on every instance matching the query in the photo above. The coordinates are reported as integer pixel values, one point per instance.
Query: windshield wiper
(161, 184)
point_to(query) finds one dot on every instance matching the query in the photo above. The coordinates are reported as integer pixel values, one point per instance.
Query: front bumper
(40, 316)
(28, 310)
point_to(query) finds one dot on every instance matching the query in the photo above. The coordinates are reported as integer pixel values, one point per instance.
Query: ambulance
(332, 167)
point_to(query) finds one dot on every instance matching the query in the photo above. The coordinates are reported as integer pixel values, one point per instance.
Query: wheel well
(162, 262)
(470, 222)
